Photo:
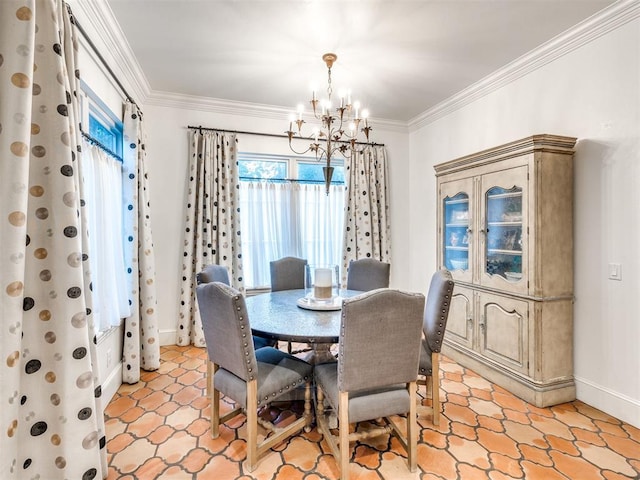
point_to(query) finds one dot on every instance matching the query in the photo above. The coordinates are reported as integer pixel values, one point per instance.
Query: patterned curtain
(212, 223)
(367, 232)
(141, 347)
(51, 419)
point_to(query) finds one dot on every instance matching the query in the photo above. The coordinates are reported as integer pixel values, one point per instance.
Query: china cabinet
(505, 232)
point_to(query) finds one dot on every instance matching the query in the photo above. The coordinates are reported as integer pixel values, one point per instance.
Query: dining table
(292, 316)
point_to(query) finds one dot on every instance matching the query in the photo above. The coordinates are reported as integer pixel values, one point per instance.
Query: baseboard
(167, 337)
(612, 403)
(111, 384)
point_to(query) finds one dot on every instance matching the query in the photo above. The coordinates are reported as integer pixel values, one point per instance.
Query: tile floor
(159, 428)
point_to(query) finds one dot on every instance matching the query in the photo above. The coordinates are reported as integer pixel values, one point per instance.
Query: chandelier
(338, 130)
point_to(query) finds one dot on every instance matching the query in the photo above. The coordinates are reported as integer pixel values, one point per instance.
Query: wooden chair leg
(412, 428)
(343, 425)
(435, 387)
(252, 424)
(209, 376)
(215, 402)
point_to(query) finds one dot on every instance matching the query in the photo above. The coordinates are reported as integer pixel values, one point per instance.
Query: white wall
(167, 168)
(592, 93)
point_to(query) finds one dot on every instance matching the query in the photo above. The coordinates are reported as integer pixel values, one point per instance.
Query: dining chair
(376, 372)
(287, 273)
(220, 273)
(367, 274)
(213, 273)
(434, 324)
(252, 378)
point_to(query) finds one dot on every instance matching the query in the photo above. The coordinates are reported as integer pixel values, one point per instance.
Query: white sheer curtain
(289, 218)
(102, 176)
(320, 222)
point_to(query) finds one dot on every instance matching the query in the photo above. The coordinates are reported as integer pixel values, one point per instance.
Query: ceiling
(399, 58)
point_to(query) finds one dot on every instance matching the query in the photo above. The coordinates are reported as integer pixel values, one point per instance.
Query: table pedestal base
(320, 353)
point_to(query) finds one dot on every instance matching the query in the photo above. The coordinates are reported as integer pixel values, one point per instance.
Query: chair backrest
(436, 309)
(367, 274)
(213, 273)
(287, 273)
(379, 339)
(226, 327)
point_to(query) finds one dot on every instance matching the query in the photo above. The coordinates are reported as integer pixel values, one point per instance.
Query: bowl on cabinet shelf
(459, 264)
(513, 276)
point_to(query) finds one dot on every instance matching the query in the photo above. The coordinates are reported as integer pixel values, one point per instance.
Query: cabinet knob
(482, 322)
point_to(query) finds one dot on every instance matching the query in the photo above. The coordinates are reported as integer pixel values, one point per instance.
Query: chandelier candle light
(339, 128)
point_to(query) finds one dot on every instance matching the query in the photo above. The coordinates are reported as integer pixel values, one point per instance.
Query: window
(102, 193)
(104, 126)
(285, 211)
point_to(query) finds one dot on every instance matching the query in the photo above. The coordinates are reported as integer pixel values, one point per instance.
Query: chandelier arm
(309, 148)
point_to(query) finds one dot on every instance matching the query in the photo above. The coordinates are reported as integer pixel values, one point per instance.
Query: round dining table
(277, 316)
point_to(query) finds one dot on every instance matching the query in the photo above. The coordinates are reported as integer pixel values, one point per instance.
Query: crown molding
(245, 109)
(610, 18)
(215, 105)
(97, 19)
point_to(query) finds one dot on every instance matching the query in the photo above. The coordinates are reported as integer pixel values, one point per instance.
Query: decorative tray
(310, 304)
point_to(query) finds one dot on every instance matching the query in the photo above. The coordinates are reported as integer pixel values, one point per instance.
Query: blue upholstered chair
(375, 376)
(252, 378)
(367, 274)
(434, 324)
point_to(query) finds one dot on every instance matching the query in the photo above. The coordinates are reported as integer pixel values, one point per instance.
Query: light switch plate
(615, 271)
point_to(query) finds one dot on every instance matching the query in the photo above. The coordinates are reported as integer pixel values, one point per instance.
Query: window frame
(92, 107)
(292, 163)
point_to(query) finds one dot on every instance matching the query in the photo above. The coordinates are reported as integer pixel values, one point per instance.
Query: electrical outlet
(615, 271)
(109, 358)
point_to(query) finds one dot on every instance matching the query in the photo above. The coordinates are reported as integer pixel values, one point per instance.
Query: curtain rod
(101, 146)
(277, 135)
(74, 20)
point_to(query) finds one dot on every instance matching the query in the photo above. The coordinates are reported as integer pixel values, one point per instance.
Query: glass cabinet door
(504, 226)
(456, 229)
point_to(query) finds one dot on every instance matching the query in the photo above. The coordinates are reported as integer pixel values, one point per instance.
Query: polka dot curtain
(367, 232)
(212, 223)
(141, 345)
(51, 423)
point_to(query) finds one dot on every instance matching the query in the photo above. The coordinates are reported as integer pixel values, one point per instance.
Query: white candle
(322, 288)
(323, 277)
